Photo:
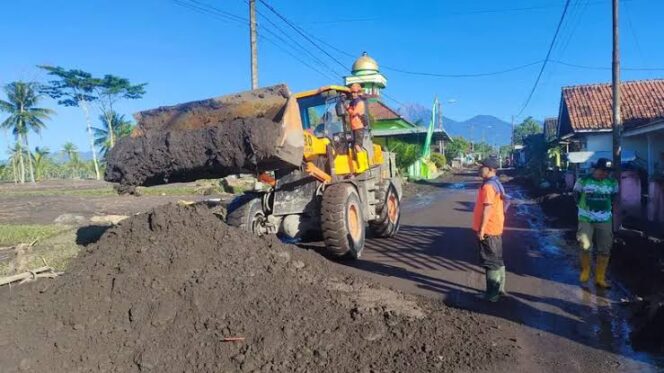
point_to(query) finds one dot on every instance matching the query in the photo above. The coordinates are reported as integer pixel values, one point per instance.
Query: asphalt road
(559, 326)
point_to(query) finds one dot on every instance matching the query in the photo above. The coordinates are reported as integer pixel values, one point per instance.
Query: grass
(55, 246)
(13, 234)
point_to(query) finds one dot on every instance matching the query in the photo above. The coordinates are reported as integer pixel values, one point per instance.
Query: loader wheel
(246, 213)
(342, 220)
(388, 213)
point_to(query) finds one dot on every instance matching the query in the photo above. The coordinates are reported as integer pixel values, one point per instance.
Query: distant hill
(487, 127)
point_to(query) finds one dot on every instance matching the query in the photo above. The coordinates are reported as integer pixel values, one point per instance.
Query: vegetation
(13, 234)
(113, 127)
(458, 147)
(406, 153)
(439, 160)
(78, 88)
(24, 117)
(528, 127)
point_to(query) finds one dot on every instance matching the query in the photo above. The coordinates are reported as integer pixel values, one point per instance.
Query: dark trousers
(491, 252)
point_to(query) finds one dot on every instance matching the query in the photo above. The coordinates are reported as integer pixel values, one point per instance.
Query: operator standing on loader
(595, 196)
(357, 112)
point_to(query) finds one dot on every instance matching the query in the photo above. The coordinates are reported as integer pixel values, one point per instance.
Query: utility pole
(512, 138)
(439, 125)
(617, 116)
(252, 41)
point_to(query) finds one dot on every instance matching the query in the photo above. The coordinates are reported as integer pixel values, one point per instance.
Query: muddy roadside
(176, 289)
(637, 268)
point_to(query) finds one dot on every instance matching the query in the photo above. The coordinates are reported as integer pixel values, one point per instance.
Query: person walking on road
(488, 223)
(595, 197)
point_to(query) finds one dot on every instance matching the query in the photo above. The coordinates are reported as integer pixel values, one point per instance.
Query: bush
(439, 160)
(406, 153)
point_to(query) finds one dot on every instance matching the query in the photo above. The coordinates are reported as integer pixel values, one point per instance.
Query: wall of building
(599, 142)
(658, 149)
(639, 144)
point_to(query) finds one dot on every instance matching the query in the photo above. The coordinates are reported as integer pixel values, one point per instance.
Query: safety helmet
(355, 88)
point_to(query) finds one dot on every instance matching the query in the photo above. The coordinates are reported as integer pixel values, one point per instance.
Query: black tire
(340, 208)
(387, 221)
(246, 212)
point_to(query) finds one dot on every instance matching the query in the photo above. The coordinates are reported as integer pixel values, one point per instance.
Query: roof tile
(590, 106)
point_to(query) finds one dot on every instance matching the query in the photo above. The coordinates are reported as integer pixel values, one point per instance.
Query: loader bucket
(251, 131)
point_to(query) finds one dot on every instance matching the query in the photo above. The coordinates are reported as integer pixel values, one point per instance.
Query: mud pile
(159, 157)
(163, 291)
(205, 139)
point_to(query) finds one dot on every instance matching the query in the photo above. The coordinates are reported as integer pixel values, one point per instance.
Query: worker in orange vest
(357, 111)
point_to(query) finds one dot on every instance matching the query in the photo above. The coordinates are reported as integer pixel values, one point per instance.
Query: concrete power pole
(617, 116)
(252, 41)
(513, 143)
(439, 125)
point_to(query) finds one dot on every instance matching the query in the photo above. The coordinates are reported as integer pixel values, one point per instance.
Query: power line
(220, 15)
(302, 48)
(203, 10)
(303, 34)
(546, 59)
(587, 67)
(467, 75)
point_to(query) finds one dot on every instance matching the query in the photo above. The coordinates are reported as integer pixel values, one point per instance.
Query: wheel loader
(316, 184)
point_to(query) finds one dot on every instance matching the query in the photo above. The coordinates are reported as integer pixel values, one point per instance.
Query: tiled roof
(550, 128)
(590, 106)
(380, 111)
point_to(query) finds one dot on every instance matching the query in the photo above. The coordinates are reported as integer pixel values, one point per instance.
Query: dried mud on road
(164, 290)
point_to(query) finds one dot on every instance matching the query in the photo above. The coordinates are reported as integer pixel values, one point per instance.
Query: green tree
(24, 117)
(111, 89)
(75, 88)
(528, 127)
(70, 151)
(406, 153)
(459, 146)
(40, 159)
(16, 155)
(113, 126)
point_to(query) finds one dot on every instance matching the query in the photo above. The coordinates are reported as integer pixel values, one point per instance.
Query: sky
(194, 49)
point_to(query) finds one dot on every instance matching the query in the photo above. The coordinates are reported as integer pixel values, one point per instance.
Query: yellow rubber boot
(600, 271)
(585, 266)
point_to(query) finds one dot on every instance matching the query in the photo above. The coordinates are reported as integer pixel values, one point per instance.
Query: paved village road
(559, 326)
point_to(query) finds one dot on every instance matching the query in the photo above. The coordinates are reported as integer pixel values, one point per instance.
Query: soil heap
(163, 290)
(203, 139)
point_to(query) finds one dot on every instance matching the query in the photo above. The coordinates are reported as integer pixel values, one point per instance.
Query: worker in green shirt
(595, 196)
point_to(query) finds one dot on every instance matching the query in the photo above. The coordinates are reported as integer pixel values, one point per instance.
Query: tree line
(69, 88)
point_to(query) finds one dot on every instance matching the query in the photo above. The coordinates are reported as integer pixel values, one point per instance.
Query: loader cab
(318, 111)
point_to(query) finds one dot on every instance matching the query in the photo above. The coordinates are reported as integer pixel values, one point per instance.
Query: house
(586, 117)
(585, 126)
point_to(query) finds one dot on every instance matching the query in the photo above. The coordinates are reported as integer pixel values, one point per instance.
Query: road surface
(559, 326)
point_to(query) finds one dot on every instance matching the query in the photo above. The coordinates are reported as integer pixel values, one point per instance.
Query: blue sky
(185, 55)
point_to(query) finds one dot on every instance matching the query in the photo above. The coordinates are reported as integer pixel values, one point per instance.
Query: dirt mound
(159, 157)
(162, 290)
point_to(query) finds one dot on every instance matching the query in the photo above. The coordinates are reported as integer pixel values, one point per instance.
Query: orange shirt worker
(488, 223)
(357, 111)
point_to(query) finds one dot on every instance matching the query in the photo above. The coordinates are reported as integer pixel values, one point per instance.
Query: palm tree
(40, 158)
(71, 152)
(15, 159)
(24, 116)
(114, 126)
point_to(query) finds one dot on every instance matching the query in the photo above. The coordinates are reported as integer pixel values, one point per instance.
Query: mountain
(478, 128)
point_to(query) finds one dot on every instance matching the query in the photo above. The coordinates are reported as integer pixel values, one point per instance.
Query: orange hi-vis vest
(357, 111)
